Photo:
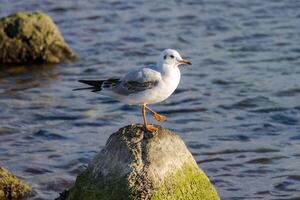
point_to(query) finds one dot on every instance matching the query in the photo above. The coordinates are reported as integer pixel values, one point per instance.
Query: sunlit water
(237, 107)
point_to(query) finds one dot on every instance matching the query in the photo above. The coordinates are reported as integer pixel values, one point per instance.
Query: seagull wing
(137, 81)
(98, 85)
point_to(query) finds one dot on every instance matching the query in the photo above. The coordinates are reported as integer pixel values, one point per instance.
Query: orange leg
(148, 127)
(156, 116)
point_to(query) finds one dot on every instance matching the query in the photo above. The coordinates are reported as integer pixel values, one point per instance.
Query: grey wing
(138, 81)
(135, 86)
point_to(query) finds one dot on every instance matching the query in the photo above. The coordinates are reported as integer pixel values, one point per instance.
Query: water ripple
(237, 107)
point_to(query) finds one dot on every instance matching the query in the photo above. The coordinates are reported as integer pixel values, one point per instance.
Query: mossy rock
(137, 165)
(31, 37)
(11, 187)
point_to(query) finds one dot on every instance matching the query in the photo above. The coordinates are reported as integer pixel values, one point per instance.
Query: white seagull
(145, 85)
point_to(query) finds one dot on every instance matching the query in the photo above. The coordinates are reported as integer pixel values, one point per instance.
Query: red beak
(185, 62)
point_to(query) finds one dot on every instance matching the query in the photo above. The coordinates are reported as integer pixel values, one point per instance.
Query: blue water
(237, 107)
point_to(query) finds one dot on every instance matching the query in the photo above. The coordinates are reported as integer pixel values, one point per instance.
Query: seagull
(145, 85)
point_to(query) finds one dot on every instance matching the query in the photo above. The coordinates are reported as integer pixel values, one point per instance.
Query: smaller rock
(31, 38)
(11, 187)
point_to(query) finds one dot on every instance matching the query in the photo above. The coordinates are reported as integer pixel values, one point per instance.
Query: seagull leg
(156, 116)
(148, 127)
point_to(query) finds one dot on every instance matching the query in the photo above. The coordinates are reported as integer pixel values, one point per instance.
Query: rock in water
(11, 187)
(31, 38)
(136, 165)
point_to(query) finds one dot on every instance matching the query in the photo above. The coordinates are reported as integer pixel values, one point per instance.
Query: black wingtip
(96, 85)
(85, 81)
(86, 88)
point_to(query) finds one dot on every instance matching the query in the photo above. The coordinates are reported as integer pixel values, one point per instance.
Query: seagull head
(171, 57)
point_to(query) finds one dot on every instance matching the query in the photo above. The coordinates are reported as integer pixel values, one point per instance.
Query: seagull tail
(97, 85)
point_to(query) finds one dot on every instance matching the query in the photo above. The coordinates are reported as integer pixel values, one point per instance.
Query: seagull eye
(171, 56)
(165, 56)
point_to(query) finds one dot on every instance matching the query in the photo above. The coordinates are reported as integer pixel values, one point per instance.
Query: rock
(11, 187)
(137, 165)
(31, 38)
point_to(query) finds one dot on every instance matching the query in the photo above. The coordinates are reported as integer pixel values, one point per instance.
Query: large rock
(31, 38)
(11, 187)
(136, 165)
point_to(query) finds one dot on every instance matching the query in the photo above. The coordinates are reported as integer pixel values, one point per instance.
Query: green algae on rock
(187, 183)
(31, 37)
(11, 187)
(137, 165)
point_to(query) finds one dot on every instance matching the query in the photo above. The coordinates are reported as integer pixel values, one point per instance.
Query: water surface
(237, 107)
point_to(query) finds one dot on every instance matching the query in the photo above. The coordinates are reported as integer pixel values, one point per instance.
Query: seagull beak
(185, 62)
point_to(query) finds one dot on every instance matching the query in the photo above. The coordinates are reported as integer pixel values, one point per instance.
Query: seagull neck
(166, 69)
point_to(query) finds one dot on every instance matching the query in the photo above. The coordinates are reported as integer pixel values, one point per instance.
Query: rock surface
(31, 38)
(11, 187)
(137, 165)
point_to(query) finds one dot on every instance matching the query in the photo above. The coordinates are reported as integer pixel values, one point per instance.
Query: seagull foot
(151, 128)
(159, 117)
